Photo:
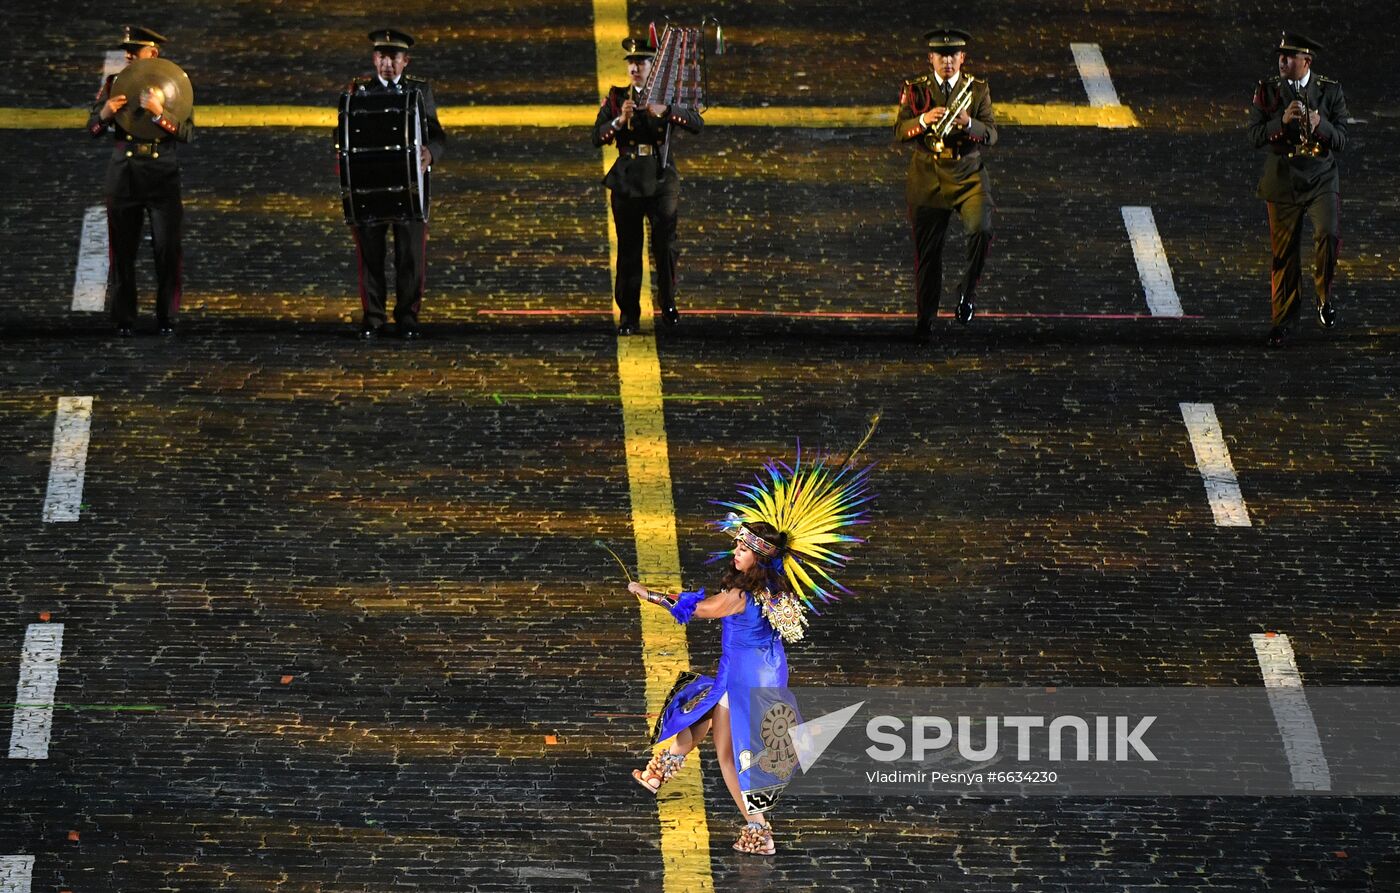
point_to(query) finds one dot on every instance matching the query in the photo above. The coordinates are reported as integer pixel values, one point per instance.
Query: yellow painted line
(265, 116)
(685, 831)
(1012, 113)
(518, 115)
(1065, 115)
(42, 119)
(466, 116)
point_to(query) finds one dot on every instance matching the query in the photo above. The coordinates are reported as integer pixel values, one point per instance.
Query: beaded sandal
(662, 768)
(757, 839)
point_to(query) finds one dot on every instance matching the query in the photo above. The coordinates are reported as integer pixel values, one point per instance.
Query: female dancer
(786, 531)
(750, 601)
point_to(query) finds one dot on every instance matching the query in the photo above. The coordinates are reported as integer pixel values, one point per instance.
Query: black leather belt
(634, 151)
(137, 149)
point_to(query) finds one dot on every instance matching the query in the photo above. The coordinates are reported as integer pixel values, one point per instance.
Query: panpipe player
(644, 185)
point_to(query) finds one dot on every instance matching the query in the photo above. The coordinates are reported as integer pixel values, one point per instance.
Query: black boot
(965, 310)
(1327, 314)
(923, 332)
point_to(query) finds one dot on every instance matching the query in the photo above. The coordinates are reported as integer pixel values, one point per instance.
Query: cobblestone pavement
(361, 584)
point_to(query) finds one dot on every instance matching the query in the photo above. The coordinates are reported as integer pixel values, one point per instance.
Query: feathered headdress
(812, 502)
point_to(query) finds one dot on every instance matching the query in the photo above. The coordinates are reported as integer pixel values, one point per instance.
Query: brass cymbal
(152, 74)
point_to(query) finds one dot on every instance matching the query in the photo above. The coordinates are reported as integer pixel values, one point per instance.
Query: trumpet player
(1299, 118)
(947, 115)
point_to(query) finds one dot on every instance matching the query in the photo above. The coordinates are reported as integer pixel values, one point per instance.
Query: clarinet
(1306, 146)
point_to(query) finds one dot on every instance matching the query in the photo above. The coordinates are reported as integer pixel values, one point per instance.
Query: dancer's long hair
(764, 574)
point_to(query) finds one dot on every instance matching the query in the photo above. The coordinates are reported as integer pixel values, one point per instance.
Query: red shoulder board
(616, 96)
(1265, 99)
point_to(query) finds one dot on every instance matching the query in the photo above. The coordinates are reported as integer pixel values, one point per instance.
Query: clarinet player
(1299, 119)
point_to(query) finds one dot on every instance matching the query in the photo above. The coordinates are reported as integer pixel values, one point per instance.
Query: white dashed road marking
(72, 428)
(38, 680)
(1151, 257)
(1093, 71)
(16, 873)
(1213, 460)
(1301, 743)
(90, 280)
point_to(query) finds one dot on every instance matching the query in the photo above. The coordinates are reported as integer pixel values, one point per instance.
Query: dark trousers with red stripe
(930, 230)
(662, 211)
(410, 270)
(1285, 238)
(126, 214)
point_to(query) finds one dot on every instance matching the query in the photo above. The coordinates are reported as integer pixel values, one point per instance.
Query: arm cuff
(684, 608)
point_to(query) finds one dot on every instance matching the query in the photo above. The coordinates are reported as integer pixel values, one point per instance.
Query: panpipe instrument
(678, 74)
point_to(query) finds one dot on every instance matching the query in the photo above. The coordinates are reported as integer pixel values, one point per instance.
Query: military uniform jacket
(633, 174)
(1302, 178)
(436, 137)
(138, 166)
(935, 176)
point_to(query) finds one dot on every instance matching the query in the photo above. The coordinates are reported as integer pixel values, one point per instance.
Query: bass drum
(377, 146)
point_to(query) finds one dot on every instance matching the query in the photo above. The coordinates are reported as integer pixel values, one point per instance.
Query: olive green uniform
(1295, 184)
(945, 180)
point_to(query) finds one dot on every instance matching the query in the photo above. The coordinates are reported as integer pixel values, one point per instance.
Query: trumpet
(960, 102)
(1306, 145)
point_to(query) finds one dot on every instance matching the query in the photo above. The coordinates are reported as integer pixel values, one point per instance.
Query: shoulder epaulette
(919, 80)
(1325, 80)
(355, 82)
(415, 79)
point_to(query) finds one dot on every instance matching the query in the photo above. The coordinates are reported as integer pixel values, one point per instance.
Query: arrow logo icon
(811, 739)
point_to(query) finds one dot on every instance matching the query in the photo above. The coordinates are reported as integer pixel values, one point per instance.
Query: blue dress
(753, 673)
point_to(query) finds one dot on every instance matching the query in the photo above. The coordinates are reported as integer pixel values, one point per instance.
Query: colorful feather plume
(813, 501)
